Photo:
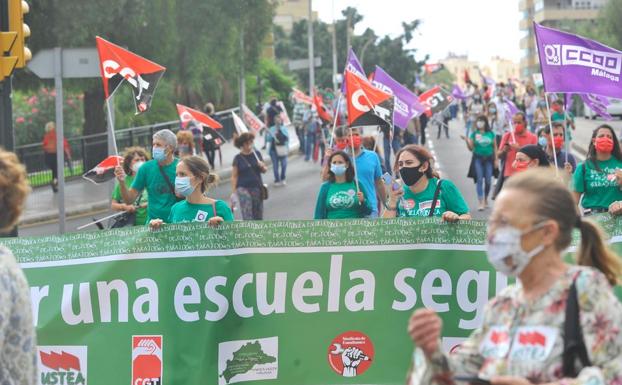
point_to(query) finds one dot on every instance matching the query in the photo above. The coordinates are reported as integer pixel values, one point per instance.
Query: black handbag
(574, 344)
(123, 220)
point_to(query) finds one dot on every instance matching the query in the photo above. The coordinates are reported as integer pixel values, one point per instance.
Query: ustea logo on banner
(603, 64)
(147, 363)
(62, 365)
(248, 360)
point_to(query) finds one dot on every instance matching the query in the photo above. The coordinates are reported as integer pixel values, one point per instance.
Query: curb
(224, 175)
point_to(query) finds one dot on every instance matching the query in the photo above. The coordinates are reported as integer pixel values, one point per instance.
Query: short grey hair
(167, 136)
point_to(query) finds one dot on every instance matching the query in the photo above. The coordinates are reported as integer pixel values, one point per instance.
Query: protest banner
(277, 301)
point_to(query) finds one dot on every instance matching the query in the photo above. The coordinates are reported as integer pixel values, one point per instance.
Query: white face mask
(505, 244)
(136, 166)
(480, 124)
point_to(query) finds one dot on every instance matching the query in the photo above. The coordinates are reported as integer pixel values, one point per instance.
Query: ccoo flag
(187, 115)
(571, 63)
(367, 105)
(598, 104)
(118, 64)
(407, 104)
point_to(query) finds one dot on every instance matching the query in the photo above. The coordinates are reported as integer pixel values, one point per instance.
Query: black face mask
(411, 175)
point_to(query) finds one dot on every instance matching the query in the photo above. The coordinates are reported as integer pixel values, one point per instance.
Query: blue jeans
(276, 160)
(483, 173)
(410, 138)
(395, 145)
(309, 145)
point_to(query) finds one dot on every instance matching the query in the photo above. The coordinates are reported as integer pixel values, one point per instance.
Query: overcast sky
(479, 28)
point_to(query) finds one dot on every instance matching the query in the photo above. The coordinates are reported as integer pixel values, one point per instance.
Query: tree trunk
(96, 149)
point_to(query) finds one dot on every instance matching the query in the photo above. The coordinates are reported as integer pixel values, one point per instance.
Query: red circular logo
(350, 354)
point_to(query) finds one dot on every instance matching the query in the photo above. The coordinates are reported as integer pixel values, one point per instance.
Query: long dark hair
(484, 118)
(591, 152)
(422, 154)
(349, 170)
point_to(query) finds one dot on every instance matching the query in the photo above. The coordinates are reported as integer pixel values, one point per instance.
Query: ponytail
(594, 252)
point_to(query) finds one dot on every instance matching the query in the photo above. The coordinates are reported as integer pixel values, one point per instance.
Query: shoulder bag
(262, 186)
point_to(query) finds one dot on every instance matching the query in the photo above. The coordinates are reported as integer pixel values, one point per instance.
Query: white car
(614, 109)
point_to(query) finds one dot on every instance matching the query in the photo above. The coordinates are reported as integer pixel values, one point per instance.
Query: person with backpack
(558, 324)
(597, 181)
(421, 192)
(193, 179)
(277, 138)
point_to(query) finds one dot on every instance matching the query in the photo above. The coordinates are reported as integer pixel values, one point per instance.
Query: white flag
(251, 119)
(240, 127)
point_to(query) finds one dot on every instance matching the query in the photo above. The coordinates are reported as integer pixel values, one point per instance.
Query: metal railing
(88, 150)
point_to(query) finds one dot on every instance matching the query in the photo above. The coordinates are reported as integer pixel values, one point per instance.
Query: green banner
(283, 302)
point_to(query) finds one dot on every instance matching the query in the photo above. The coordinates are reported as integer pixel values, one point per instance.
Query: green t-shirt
(599, 188)
(419, 205)
(342, 202)
(483, 143)
(189, 212)
(141, 213)
(161, 199)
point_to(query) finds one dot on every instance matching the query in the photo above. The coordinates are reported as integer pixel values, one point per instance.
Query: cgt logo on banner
(147, 363)
(62, 365)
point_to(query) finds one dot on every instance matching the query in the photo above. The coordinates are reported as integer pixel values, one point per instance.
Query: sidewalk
(82, 196)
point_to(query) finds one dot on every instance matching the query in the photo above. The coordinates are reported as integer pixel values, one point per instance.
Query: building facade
(561, 14)
(289, 12)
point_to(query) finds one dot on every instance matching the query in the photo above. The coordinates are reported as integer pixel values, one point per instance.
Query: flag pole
(112, 137)
(353, 160)
(548, 112)
(336, 112)
(566, 141)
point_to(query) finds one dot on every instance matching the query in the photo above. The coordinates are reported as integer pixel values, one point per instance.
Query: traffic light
(17, 9)
(7, 63)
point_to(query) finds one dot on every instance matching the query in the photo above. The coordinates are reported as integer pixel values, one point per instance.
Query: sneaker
(278, 184)
(283, 182)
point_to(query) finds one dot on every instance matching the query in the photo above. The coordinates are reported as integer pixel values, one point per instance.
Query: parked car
(614, 109)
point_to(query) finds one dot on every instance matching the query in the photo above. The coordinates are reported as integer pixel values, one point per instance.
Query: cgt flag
(407, 104)
(352, 65)
(435, 100)
(433, 68)
(240, 127)
(571, 63)
(104, 171)
(367, 105)
(187, 115)
(322, 111)
(118, 64)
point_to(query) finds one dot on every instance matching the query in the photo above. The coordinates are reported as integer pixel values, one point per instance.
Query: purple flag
(353, 65)
(457, 92)
(510, 106)
(567, 102)
(486, 80)
(571, 63)
(597, 104)
(407, 104)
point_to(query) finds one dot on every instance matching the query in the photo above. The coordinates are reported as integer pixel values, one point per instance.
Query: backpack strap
(574, 345)
(435, 198)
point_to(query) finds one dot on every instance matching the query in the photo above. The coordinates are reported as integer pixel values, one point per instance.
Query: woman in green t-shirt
(192, 180)
(484, 147)
(596, 183)
(133, 158)
(340, 197)
(423, 193)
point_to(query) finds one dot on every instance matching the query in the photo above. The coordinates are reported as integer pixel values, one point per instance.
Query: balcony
(548, 14)
(524, 5)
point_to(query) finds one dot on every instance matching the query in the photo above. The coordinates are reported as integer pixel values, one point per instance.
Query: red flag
(433, 68)
(187, 114)
(435, 100)
(322, 111)
(118, 64)
(301, 97)
(104, 171)
(367, 105)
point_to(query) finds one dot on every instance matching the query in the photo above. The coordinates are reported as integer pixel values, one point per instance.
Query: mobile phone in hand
(472, 380)
(389, 181)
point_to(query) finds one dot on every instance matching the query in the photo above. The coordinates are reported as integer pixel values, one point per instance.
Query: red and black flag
(435, 100)
(433, 68)
(367, 105)
(104, 171)
(118, 64)
(187, 115)
(322, 111)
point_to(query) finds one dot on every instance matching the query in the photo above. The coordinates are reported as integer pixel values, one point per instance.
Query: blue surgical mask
(183, 186)
(542, 141)
(158, 154)
(338, 169)
(493, 110)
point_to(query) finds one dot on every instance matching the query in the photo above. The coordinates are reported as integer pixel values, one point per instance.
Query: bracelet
(386, 206)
